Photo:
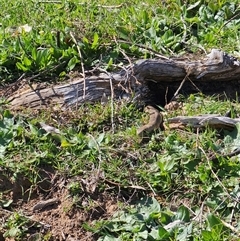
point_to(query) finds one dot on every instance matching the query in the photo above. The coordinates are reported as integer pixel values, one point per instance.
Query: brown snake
(155, 120)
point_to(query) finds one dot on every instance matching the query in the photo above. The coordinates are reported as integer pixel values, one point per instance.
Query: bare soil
(61, 220)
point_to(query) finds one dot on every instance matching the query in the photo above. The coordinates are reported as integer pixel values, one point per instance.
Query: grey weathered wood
(200, 121)
(135, 81)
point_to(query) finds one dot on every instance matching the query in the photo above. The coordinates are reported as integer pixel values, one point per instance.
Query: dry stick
(113, 6)
(179, 88)
(126, 79)
(184, 30)
(112, 107)
(81, 59)
(45, 71)
(154, 193)
(215, 175)
(39, 74)
(194, 84)
(106, 6)
(124, 54)
(15, 83)
(112, 95)
(144, 47)
(234, 153)
(120, 185)
(232, 213)
(35, 76)
(185, 36)
(130, 63)
(166, 95)
(18, 80)
(52, 1)
(231, 227)
(199, 216)
(228, 22)
(44, 203)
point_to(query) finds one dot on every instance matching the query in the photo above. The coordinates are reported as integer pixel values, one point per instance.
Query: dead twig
(14, 85)
(29, 79)
(233, 17)
(45, 71)
(112, 96)
(184, 30)
(231, 227)
(154, 193)
(120, 185)
(179, 88)
(166, 93)
(111, 6)
(50, 1)
(229, 155)
(194, 85)
(82, 65)
(112, 106)
(144, 47)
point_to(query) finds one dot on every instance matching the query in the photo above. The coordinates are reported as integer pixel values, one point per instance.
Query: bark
(201, 121)
(150, 80)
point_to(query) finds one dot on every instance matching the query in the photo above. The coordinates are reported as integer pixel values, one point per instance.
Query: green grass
(167, 28)
(173, 166)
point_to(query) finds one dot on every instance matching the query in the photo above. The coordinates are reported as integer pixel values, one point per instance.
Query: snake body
(155, 120)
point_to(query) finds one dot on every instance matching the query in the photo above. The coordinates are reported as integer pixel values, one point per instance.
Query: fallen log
(150, 80)
(211, 120)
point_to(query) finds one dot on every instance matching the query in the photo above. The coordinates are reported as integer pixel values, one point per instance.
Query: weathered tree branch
(147, 80)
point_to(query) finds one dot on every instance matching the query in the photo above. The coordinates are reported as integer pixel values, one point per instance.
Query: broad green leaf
(109, 238)
(123, 33)
(232, 139)
(27, 62)
(165, 218)
(148, 206)
(163, 233)
(184, 233)
(143, 235)
(192, 6)
(215, 224)
(95, 41)
(12, 232)
(34, 54)
(100, 138)
(72, 63)
(7, 114)
(85, 40)
(92, 143)
(213, 221)
(145, 17)
(152, 32)
(64, 142)
(193, 20)
(169, 164)
(20, 66)
(34, 130)
(110, 62)
(183, 214)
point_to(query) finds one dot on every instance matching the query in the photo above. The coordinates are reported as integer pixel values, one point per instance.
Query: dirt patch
(60, 220)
